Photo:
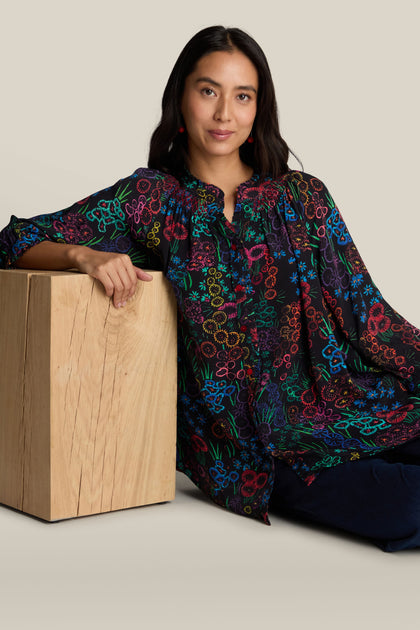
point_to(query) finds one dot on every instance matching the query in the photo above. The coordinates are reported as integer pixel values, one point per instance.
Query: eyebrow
(213, 82)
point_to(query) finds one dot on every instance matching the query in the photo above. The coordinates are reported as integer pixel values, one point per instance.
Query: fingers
(124, 279)
(142, 275)
(125, 286)
(116, 272)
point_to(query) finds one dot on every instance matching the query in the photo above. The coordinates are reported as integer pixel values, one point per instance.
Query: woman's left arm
(357, 307)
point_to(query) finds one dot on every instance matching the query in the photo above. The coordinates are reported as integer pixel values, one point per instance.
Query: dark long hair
(268, 154)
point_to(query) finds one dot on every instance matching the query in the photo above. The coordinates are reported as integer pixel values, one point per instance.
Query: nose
(222, 112)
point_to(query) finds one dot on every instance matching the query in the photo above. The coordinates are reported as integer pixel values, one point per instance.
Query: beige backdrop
(82, 83)
(81, 87)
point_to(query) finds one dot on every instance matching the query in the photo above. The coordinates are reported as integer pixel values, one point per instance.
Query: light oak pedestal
(87, 395)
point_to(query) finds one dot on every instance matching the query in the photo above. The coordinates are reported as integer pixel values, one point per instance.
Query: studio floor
(188, 564)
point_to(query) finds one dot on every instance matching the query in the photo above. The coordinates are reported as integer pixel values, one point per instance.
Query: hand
(115, 271)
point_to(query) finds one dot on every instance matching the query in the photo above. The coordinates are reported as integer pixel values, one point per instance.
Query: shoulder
(307, 191)
(298, 184)
(151, 179)
(304, 182)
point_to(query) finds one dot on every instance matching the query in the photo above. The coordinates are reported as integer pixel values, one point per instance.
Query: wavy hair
(267, 155)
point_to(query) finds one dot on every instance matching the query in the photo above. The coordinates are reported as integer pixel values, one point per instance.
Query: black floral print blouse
(287, 349)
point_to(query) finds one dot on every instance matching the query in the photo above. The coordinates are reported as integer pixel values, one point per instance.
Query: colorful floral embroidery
(286, 347)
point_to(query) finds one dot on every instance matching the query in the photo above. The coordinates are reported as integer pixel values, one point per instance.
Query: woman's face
(219, 104)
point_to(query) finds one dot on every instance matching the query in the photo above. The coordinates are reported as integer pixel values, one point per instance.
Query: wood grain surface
(87, 395)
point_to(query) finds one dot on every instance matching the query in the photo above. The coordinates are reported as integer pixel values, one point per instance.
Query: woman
(298, 384)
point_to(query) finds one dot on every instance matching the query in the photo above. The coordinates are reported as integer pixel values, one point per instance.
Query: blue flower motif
(356, 280)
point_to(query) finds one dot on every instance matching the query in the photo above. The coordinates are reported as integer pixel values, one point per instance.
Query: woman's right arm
(115, 271)
(101, 235)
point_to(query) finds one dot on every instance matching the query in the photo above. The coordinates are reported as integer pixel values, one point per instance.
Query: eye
(244, 97)
(207, 91)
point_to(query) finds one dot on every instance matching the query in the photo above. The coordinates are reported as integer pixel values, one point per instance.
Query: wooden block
(87, 395)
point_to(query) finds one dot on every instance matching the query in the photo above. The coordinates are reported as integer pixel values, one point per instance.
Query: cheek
(193, 111)
(247, 117)
(252, 114)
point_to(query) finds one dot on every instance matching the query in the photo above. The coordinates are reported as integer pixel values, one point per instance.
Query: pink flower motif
(321, 209)
(202, 255)
(135, 210)
(193, 311)
(73, 228)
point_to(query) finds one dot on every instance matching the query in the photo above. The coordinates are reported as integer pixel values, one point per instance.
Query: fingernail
(119, 305)
(123, 303)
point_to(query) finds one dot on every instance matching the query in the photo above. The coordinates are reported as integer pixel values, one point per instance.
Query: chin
(223, 150)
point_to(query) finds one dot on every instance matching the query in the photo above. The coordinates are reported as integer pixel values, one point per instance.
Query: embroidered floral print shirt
(286, 347)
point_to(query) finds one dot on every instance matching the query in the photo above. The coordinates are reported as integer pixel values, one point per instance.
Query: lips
(220, 134)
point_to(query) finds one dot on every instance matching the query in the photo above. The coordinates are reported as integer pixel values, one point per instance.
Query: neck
(225, 172)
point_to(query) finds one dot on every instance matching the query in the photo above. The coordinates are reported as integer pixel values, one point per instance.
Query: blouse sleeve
(121, 218)
(358, 311)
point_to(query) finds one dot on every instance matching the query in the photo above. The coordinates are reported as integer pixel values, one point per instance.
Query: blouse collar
(193, 183)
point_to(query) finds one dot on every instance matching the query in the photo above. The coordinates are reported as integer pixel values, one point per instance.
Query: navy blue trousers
(377, 497)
